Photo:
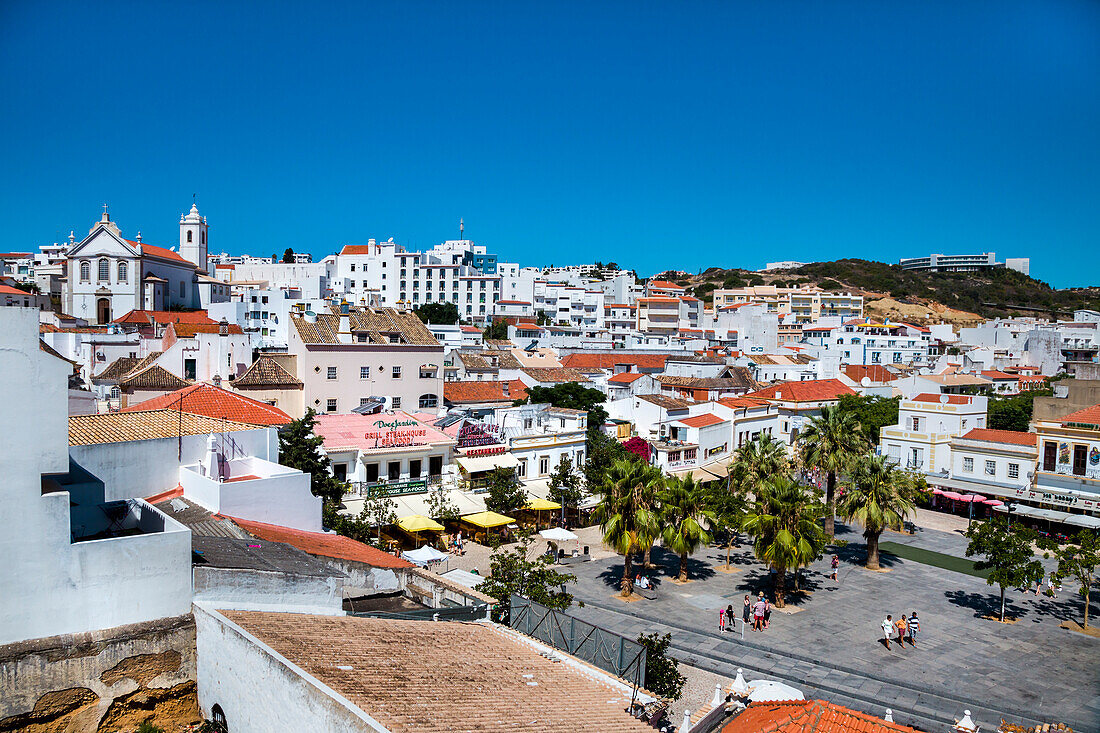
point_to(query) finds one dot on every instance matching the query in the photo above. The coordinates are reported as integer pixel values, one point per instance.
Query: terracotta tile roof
(376, 324)
(664, 285)
(123, 427)
(356, 249)
(994, 374)
(555, 374)
(267, 373)
(143, 317)
(737, 403)
(609, 360)
(989, 435)
(206, 399)
(188, 330)
(444, 677)
(813, 390)
(15, 255)
(43, 346)
(717, 383)
(952, 399)
(463, 392)
(808, 716)
(874, 372)
(9, 290)
(149, 250)
(955, 380)
(625, 378)
(484, 359)
(1087, 416)
(669, 403)
(118, 368)
(153, 376)
(701, 421)
(322, 544)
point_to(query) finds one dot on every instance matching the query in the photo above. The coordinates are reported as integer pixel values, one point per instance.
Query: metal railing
(607, 650)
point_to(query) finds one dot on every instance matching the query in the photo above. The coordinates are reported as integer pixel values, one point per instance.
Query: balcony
(402, 487)
(252, 488)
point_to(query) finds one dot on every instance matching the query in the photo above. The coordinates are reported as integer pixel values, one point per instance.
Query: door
(103, 310)
(372, 473)
(394, 469)
(414, 468)
(1080, 452)
(435, 465)
(1050, 456)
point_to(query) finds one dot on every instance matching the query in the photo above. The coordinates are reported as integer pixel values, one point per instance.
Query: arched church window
(123, 273)
(104, 270)
(189, 237)
(85, 271)
(204, 237)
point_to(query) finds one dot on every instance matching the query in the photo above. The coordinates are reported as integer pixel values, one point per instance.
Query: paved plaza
(828, 644)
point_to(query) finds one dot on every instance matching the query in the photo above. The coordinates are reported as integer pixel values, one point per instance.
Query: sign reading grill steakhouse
(396, 433)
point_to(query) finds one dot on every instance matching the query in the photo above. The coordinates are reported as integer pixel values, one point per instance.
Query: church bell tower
(193, 232)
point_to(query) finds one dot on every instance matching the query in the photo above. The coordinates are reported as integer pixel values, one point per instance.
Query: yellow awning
(419, 523)
(487, 519)
(542, 504)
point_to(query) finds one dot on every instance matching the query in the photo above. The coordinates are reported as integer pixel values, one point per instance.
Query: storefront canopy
(1035, 512)
(486, 463)
(542, 505)
(487, 519)
(419, 523)
(1083, 520)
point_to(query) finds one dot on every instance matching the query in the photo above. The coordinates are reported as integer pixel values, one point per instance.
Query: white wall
(281, 496)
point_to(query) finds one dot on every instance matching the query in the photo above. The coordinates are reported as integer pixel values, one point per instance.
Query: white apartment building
(538, 436)
(921, 440)
(865, 342)
(570, 304)
(699, 445)
(749, 327)
(805, 304)
(350, 354)
(311, 279)
(670, 315)
(994, 463)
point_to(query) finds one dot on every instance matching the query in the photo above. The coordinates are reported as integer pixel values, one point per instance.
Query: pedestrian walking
(902, 626)
(758, 614)
(914, 627)
(731, 621)
(746, 613)
(887, 629)
(721, 620)
(767, 613)
(836, 566)
(1050, 586)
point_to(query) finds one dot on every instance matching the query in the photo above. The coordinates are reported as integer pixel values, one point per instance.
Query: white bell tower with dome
(193, 233)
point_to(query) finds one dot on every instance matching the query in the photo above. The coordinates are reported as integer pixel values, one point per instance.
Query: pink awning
(938, 492)
(951, 495)
(993, 502)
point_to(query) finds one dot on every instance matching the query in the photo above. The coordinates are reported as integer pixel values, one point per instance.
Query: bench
(650, 592)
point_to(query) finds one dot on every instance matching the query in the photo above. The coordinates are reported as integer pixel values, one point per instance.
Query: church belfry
(193, 232)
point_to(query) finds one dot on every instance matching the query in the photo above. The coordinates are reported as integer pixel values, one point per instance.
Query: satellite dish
(865, 382)
(944, 399)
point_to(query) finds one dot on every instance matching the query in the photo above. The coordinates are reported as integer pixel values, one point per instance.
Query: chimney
(211, 465)
(505, 388)
(344, 333)
(223, 327)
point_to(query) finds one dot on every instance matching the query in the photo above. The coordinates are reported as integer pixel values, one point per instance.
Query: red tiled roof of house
(14, 255)
(658, 299)
(463, 392)
(812, 390)
(995, 374)
(625, 378)
(952, 399)
(608, 360)
(808, 716)
(874, 372)
(9, 290)
(736, 403)
(322, 544)
(664, 285)
(1087, 416)
(149, 250)
(356, 249)
(989, 435)
(164, 317)
(1029, 378)
(701, 421)
(189, 330)
(206, 399)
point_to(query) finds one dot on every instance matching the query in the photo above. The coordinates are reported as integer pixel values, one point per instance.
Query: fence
(447, 613)
(608, 651)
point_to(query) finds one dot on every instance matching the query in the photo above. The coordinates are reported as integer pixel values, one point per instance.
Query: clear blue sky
(656, 135)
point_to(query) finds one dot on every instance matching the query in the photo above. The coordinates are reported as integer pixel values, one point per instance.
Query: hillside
(959, 298)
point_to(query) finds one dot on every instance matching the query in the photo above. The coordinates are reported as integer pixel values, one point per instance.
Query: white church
(108, 275)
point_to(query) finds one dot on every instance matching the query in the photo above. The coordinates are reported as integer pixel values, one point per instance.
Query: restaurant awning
(487, 519)
(964, 486)
(1036, 512)
(419, 523)
(1083, 520)
(540, 505)
(486, 463)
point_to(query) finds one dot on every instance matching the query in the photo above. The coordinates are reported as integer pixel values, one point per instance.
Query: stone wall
(101, 681)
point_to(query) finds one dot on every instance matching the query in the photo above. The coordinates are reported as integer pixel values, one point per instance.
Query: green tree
(1008, 553)
(684, 511)
(1014, 413)
(497, 330)
(757, 461)
(440, 505)
(871, 412)
(830, 443)
(625, 513)
(288, 256)
(602, 450)
(512, 571)
(728, 507)
(299, 448)
(662, 672)
(879, 496)
(505, 493)
(783, 522)
(566, 483)
(439, 313)
(1078, 560)
(366, 527)
(542, 318)
(572, 396)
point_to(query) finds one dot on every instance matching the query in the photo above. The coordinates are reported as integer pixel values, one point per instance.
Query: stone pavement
(828, 641)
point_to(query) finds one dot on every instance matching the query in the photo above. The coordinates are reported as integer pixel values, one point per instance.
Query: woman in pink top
(721, 619)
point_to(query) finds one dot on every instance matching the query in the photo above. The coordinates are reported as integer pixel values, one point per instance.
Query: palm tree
(629, 522)
(830, 442)
(783, 524)
(683, 509)
(756, 462)
(879, 496)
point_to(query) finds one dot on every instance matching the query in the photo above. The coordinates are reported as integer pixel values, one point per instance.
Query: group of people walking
(758, 614)
(905, 629)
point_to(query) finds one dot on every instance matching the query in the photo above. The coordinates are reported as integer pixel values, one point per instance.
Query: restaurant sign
(396, 433)
(481, 433)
